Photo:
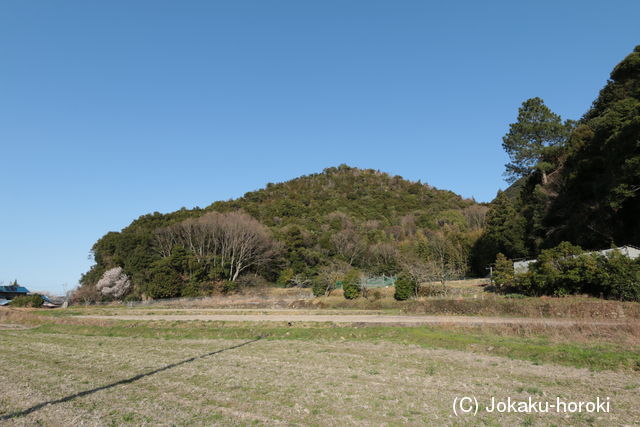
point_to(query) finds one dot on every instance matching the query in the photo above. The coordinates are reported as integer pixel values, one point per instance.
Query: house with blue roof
(7, 293)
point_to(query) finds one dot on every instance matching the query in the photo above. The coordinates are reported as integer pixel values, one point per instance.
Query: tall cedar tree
(505, 233)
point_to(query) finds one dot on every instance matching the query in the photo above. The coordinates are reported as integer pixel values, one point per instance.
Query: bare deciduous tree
(371, 224)
(349, 245)
(419, 269)
(329, 275)
(233, 241)
(408, 225)
(476, 216)
(300, 281)
(439, 258)
(165, 239)
(446, 257)
(245, 242)
(385, 254)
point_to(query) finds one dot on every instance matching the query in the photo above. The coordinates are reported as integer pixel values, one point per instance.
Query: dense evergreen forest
(572, 181)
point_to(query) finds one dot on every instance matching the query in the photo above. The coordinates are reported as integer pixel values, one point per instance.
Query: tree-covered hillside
(341, 219)
(362, 194)
(583, 187)
(572, 181)
(598, 202)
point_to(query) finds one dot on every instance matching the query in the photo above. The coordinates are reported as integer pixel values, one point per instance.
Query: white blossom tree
(114, 283)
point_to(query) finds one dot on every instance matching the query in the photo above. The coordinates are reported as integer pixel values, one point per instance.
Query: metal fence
(373, 282)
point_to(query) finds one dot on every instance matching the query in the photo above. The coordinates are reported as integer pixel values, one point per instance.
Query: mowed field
(131, 366)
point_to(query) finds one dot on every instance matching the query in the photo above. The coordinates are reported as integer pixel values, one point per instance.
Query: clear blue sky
(112, 109)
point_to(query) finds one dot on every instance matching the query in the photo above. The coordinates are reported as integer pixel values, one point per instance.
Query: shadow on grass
(117, 383)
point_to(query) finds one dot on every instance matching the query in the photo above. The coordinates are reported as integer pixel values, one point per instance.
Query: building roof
(14, 289)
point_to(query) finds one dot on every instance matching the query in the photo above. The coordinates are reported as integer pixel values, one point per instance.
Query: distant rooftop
(14, 289)
(522, 265)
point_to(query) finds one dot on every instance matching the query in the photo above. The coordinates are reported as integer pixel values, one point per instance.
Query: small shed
(628, 250)
(522, 265)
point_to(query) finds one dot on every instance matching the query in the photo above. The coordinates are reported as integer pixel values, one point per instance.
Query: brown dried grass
(627, 334)
(487, 305)
(32, 317)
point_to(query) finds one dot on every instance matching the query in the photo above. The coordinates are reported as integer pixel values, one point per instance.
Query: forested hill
(340, 219)
(584, 187)
(598, 186)
(363, 194)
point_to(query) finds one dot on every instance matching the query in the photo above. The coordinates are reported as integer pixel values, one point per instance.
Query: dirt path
(364, 318)
(11, 326)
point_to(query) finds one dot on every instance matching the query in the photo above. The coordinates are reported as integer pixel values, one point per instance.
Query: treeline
(572, 181)
(311, 229)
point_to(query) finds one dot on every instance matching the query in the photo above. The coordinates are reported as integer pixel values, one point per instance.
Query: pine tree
(532, 141)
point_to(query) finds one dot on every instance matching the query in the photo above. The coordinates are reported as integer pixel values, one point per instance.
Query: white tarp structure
(632, 252)
(522, 266)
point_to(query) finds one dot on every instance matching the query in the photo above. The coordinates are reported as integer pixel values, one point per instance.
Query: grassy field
(115, 372)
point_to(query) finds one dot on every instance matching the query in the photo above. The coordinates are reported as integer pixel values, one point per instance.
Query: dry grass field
(62, 368)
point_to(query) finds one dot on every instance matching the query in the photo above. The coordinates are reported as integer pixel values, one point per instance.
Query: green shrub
(351, 290)
(229, 287)
(351, 284)
(406, 287)
(503, 274)
(191, 290)
(34, 300)
(523, 284)
(565, 270)
(164, 282)
(131, 298)
(620, 278)
(318, 287)
(284, 278)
